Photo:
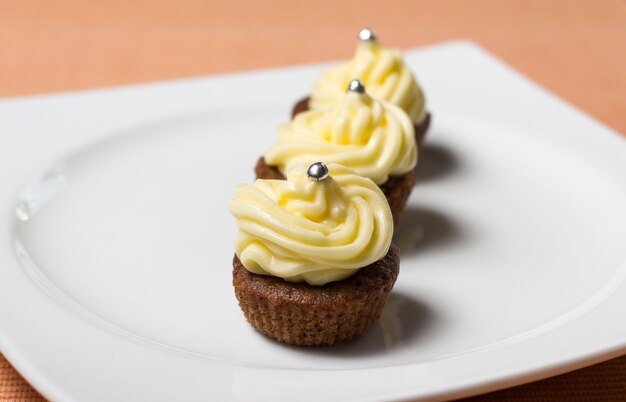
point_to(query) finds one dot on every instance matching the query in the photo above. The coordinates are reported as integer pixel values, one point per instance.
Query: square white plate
(116, 242)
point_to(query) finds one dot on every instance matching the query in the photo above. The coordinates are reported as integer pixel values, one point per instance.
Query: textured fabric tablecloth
(576, 49)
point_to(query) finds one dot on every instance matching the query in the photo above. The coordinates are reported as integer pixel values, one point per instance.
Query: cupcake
(372, 137)
(383, 73)
(314, 263)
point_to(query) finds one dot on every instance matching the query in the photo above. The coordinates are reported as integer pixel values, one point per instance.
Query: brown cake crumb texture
(306, 315)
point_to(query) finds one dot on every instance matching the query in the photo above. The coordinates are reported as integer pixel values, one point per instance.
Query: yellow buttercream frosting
(383, 73)
(374, 138)
(301, 229)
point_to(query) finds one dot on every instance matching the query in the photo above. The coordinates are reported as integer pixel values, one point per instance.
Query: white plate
(116, 242)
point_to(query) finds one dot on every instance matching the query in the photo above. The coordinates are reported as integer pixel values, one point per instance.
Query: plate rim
(613, 346)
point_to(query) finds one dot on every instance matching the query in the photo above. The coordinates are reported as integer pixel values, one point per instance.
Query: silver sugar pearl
(317, 171)
(367, 35)
(356, 86)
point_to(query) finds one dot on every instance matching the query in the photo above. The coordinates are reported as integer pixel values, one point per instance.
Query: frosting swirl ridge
(383, 73)
(374, 138)
(315, 231)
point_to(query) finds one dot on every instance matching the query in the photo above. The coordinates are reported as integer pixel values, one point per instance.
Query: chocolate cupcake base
(420, 129)
(396, 189)
(305, 315)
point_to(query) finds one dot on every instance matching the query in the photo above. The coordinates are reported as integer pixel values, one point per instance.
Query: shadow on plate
(403, 321)
(422, 229)
(435, 161)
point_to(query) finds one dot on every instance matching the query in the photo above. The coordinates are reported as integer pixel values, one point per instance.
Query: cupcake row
(314, 261)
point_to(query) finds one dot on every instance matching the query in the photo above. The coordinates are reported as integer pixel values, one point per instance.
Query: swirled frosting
(375, 139)
(300, 229)
(383, 73)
